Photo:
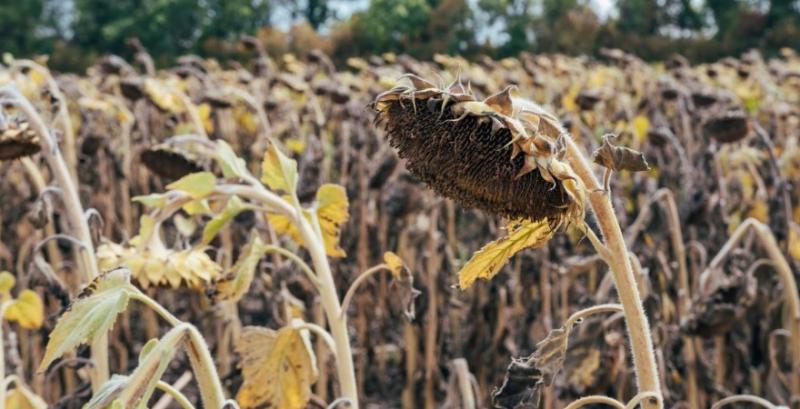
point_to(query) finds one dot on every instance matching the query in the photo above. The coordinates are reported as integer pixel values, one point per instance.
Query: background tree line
(74, 32)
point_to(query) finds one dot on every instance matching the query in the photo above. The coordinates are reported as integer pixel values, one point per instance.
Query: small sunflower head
(499, 155)
(170, 162)
(156, 266)
(17, 139)
(727, 127)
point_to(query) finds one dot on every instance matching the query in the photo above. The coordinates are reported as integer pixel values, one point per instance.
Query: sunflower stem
(637, 325)
(73, 210)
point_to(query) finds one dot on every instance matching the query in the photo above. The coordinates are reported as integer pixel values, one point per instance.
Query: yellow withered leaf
(278, 171)
(22, 398)
(488, 261)
(27, 310)
(234, 285)
(394, 262)
(278, 368)
(332, 212)
(204, 110)
(7, 281)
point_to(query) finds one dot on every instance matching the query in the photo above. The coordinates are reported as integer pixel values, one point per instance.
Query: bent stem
(196, 348)
(618, 261)
(353, 287)
(73, 212)
(179, 397)
(595, 400)
(744, 398)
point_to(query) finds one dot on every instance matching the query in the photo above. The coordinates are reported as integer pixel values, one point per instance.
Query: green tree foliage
(166, 27)
(74, 32)
(19, 21)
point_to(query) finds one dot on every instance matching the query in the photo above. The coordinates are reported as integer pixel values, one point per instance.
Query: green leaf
(278, 171)
(232, 208)
(155, 200)
(198, 185)
(231, 164)
(91, 315)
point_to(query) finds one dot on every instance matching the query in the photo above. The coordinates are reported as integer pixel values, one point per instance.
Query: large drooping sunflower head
(500, 155)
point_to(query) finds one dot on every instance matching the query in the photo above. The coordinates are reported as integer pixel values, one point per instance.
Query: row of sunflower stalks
(165, 162)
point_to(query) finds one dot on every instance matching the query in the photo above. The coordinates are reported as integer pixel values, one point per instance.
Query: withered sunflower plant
(509, 157)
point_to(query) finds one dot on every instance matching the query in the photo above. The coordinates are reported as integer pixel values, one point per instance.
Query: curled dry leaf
(403, 280)
(279, 368)
(525, 377)
(488, 261)
(619, 157)
(234, 284)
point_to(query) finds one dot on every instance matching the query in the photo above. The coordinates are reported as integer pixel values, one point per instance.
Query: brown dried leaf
(522, 386)
(619, 157)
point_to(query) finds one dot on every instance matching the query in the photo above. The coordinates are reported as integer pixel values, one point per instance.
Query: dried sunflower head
(17, 140)
(160, 266)
(499, 155)
(170, 162)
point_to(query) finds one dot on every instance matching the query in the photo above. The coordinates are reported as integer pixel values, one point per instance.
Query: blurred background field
(73, 33)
